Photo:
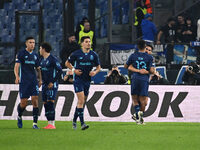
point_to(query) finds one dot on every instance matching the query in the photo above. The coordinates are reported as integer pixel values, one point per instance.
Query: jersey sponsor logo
(29, 62)
(44, 69)
(85, 63)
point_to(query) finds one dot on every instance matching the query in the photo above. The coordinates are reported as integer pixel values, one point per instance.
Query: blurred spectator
(179, 28)
(148, 6)
(87, 32)
(189, 31)
(157, 79)
(80, 26)
(192, 75)
(139, 15)
(115, 77)
(70, 46)
(198, 30)
(148, 29)
(169, 37)
(168, 31)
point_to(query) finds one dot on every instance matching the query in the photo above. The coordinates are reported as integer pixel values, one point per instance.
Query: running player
(85, 59)
(25, 75)
(51, 72)
(140, 63)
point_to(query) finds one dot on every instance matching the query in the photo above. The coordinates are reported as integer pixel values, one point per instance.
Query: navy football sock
(46, 111)
(20, 110)
(35, 114)
(137, 109)
(75, 115)
(80, 114)
(51, 111)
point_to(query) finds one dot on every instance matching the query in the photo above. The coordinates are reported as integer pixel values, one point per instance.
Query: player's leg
(34, 100)
(143, 99)
(24, 95)
(20, 109)
(135, 99)
(142, 108)
(86, 92)
(50, 108)
(34, 89)
(136, 106)
(78, 88)
(80, 104)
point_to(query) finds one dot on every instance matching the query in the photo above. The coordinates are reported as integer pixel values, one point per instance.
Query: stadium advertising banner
(112, 103)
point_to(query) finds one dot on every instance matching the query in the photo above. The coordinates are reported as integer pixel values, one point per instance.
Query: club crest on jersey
(26, 56)
(91, 57)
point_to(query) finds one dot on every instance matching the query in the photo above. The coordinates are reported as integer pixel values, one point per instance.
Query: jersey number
(141, 65)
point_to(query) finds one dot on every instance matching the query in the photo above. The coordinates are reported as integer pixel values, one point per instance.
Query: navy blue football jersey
(85, 62)
(139, 61)
(51, 69)
(28, 62)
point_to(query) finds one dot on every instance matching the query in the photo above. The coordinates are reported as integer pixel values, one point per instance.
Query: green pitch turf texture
(100, 136)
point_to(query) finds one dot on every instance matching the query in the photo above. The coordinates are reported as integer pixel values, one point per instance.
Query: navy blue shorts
(49, 94)
(28, 89)
(80, 86)
(139, 87)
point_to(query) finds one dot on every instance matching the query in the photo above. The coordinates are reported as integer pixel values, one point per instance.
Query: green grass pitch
(100, 136)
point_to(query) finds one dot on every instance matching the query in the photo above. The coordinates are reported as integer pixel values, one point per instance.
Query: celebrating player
(51, 71)
(85, 59)
(140, 63)
(26, 62)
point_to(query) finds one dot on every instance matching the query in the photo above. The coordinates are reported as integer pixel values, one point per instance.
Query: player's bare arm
(93, 73)
(152, 70)
(76, 71)
(141, 71)
(40, 76)
(16, 71)
(126, 66)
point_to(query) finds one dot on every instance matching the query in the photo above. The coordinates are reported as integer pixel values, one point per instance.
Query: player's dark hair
(150, 46)
(29, 38)
(46, 46)
(84, 37)
(141, 44)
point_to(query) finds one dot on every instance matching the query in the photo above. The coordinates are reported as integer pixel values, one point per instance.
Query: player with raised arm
(26, 63)
(84, 60)
(51, 72)
(140, 63)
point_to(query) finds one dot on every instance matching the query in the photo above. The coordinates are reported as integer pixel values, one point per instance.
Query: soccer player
(26, 63)
(85, 59)
(149, 49)
(51, 72)
(140, 63)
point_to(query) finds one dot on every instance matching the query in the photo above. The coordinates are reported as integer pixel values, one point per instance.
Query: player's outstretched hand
(78, 72)
(92, 73)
